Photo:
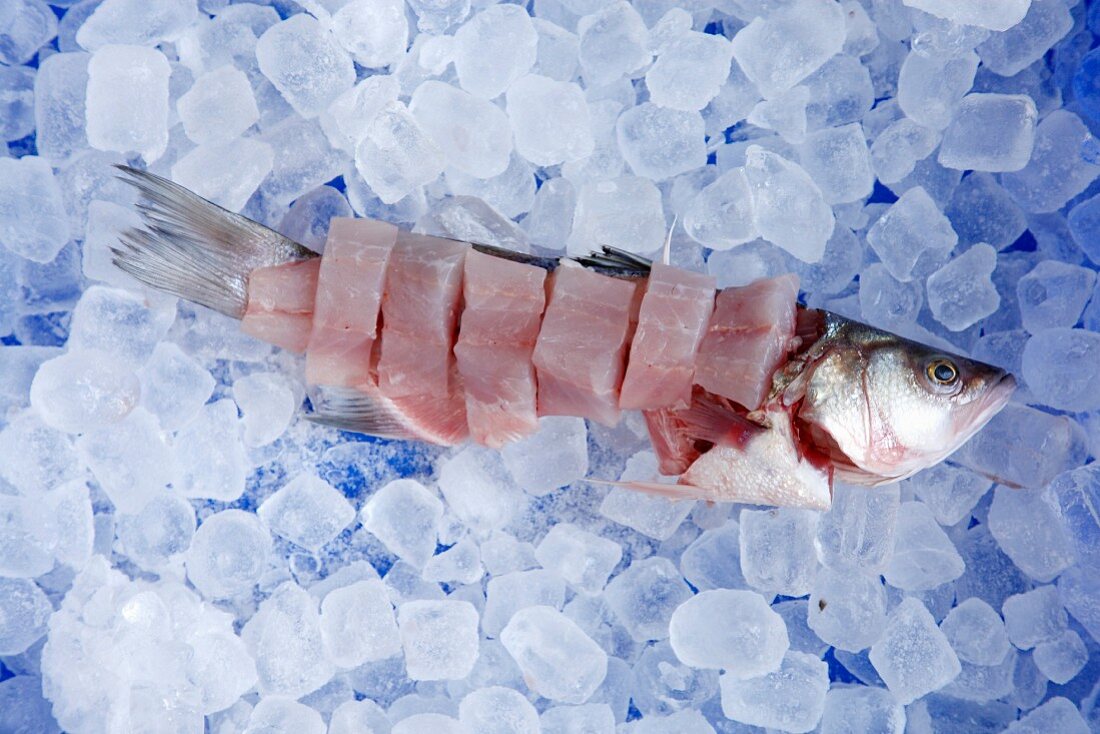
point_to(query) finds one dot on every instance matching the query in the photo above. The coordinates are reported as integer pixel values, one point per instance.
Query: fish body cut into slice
(501, 317)
(673, 317)
(747, 339)
(580, 356)
(350, 285)
(280, 304)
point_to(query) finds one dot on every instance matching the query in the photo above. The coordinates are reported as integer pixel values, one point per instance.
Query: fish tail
(195, 249)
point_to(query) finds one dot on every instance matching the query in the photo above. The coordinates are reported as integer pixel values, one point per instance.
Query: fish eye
(943, 372)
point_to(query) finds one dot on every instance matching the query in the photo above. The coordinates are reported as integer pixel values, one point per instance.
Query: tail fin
(195, 249)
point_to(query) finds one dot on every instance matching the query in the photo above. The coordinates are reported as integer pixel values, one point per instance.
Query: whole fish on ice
(748, 397)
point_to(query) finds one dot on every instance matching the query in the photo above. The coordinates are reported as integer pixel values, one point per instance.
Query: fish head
(881, 407)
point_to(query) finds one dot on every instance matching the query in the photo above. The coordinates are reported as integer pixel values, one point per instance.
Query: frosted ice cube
(851, 709)
(841, 92)
(788, 207)
(1061, 658)
(649, 514)
(267, 404)
(430, 723)
(858, 530)
(930, 86)
(1056, 172)
(949, 492)
(25, 538)
(284, 638)
(210, 461)
(135, 22)
(33, 456)
(913, 656)
(461, 563)
(358, 717)
(439, 639)
(838, 161)
(784, 113)
(219, 106)
(503, 554)
(559, 661)
(623, 212)
(346, 120)
(305, 64)
(551, 216)
(1054, 294)
(790, 43)
(23, 706)
(644, 596)
(967, 143)
(119, 323)
(996, 15)
(493, 49)
(754, 645)
(682, 722)
(304, 160)
(395, 156)
(549, 120)
(24, 611)
(662, 684)
(357, 624)
(660, 143)
(511, 592)
(720, 216)
(961, 293)
(847, 610)
(405, 516)
(476, 490)
(713, 560)
(981, 211)
(1057, 714)
(307, 222)
(28, 24)
(583, 559)
(226, 172)
(163, 528)
(897, 149)
(791, 699)
(1028, 530)
(910, 228)
(976, 632)
(613, 42)
(592, 718)
(886, 302)
(511, 193)
(473, 134)
(1018, 47)
(1074, 494)
(498, 710)
(307, 511)
(374, 32)
(82, 390)
(127, 104)
(777, 549)
(60, 88)
(924, 556)
(33, 222)
(284, 715)
(173, 386)
(689, 71)
(555, 456)
(228, 554)
(557, 51)
(16, 102)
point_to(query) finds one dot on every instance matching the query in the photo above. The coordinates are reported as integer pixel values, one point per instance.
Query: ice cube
(613, 43)
(307, 511)
(210, 461)
(720, 216)
(347, 118)
(498, 710)
(682, 722)
(976, 632)
(911, 228)
(477, 491)
(511, 592)
(897, 149)
(583, 559)
(644, 596)
(913, 656)
(858, 530)
(493, 49)
(284, 715)
(439, 638)
(784, 113)
(924, 556)
(23, 707)
(996, 15)
(173, 386)
(119, 323)
(162, 529)
(557, 51)
(559, 661)
(663, 684)
(16, 102)
(33, 456)
(1074, 494)
(555, 456)
(284, 638)
(219, 106)
(1083, 221)
(24, 611)
(788, 207)
(82, 390)
(782, 48)
(267, 403)
(405, 516)
(25, 538)
(949, 492)
(1056, 172)
(850, 709)
(27, 24)
(839, 162)
(931, 86)
(660, 143)
(551, 216)
(1054, 294)
(511, 193)
(227, 173)
(307, 222)
(652, 515)
(752, 646)
(461, 563)
(135, 22)
(549, 120)
(777, 549)
(33, 222)
(1057, 714)
(472, 133)
(228, 554)
(713, 560)
(1016, 48)
(305, 64)
(374, 32)
(357, 624)
(395, 156)
(689, 71)
(358, 717)
(1061, 658)
(961, 293)
(430, 723)
(886, 302)
(623, 212)
(592, 718)
(791, 699)
(60, 88)
(967, 143)
(847, 610)
(1028, 530)
(127, 103)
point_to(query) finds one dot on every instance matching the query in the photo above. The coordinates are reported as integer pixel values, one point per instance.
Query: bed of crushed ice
(180, 549)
